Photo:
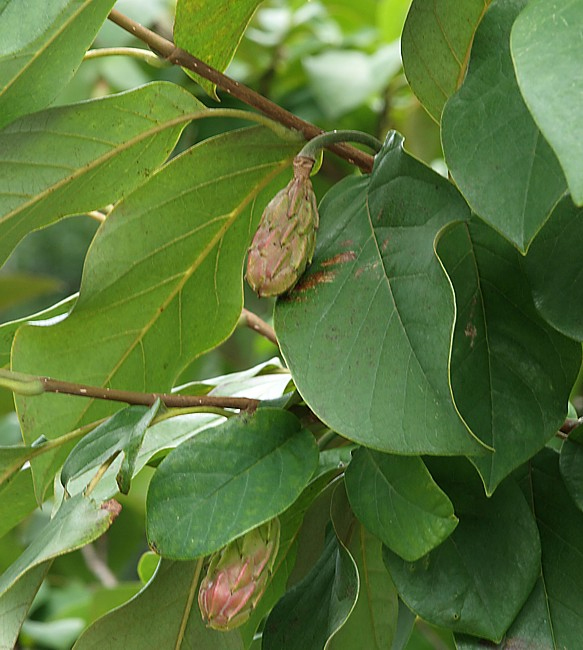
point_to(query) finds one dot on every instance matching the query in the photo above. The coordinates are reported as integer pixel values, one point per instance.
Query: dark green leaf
(17, 500)
(72, 159)
(548, 49)
(169, 257)
(41, 49)
(409, 512)
(511, 372)
(317, 607)
(435, 47)
(211, 31)
(226, 481)
(571, 465)
(494, 150)
(553, 266)
(479, 578)
(140, 624)
(354, 331)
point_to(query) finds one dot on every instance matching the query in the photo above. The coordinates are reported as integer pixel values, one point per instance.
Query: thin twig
(176, 55)
(135, 52)
(147, 399)
(97, 215)
(249, 319)
(98, 567)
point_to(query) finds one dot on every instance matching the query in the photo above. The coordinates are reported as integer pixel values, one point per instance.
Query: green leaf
(17, 500)
(547, 49)
(495, 152)
(12, 459)
(316, 608)
(123, 432)
(16, 601)
(435, 46)
(73, 159)
(211, 31)
(78, 521)
(140, 623)
(41, 49)
(409, 513)
(354, 330)
(511, 372)
(373, 621)
(552, 617)
(571, 464)
(479, 578)
(17, 288)
(169, 257)
(226, 481)
(557, 286)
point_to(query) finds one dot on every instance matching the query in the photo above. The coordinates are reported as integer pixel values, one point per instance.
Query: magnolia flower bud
(237, 577)
(284, 243)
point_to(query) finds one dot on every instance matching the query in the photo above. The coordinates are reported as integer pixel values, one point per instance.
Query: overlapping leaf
(211, 30)
(436, 43)
(16, 500)
(162, 279)
(571, 465)
(367, 331)
(493, 148)
(547, 50)
(553, 268)
(76, 158)
(479, 578)
(41, 49)
(226, 481)
(163, 615)
(409, 512)
(511, 372)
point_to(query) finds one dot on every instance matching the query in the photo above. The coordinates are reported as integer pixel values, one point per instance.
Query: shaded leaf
(139, 624)
(226, 481)
(511, 372)
(354, 329)
(17, 288)
(15, 603)
(495, 152)
(547, 49)
(169, 258)
(123, 432)
(211, 31)
(435, 46)
(409, 512)
(17, 500)
(479, 578)
(42, 49)
(72, 159)
(77, 522)
(571, 464)
(312, 611)
(553, 268)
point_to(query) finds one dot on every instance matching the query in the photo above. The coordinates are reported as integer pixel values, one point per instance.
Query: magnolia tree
(412, 455)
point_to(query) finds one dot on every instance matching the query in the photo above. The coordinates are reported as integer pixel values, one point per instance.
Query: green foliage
(416, 448)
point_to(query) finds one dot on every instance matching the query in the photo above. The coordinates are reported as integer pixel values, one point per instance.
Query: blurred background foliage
(335, 63)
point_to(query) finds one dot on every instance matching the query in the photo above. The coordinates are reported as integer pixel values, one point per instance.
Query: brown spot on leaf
(471, 332)
(113, 507)
(341, 258)
(311, 281)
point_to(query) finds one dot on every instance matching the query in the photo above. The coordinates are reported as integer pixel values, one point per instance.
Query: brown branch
(257, 324)
(570, 424)
(146, 399)
(176, 55)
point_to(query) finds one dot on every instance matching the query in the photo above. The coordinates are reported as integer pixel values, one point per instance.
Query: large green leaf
(373, 621)
(552, 617)
(211, 31)
(354, 331)
(494, 150)
(511, 372)
(409, 513)
(571, 465)
(548, 49)
(163, 615)
(73, 159)
(162, 280)
(42, 44)
(435, 46)
(316, 608)
(479, 578)
(15, 603)
(553, 268)
(78, 521)
(226, 481)
(16, 500)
